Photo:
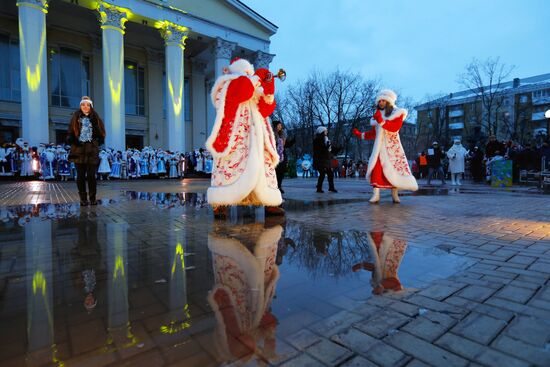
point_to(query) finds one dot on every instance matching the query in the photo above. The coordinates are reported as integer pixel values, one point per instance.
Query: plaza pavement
(494, 312)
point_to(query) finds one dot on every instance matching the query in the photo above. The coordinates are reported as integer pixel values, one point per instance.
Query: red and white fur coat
(242, 142)
(245, 283)
(388, 149)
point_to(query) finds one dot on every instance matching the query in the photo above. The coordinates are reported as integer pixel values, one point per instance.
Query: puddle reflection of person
(87, 259)
(246, 274)
(386, 254)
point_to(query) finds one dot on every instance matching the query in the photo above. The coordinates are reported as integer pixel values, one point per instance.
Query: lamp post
(547, 115)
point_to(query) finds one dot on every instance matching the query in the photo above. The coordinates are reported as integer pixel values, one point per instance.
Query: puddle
(150, 270)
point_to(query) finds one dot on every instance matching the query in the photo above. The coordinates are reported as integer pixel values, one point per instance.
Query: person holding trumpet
(242, 141)
(388, 167)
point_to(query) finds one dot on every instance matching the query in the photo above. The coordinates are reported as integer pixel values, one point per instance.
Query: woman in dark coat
(86, 133)
(321, 159)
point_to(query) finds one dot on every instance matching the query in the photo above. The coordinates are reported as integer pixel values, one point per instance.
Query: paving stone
(476, 293)
(429, 326)
(480, 328)
(372, 348)
(358, 362)
(434, 305)
(530, 330)
(382, 324)
(336, 323)
(480, 353)
(303, 339)
(424, 351)
(515, 294)
(438, 292)
(525, 260)
(329, 353)
(303, 360)
(518, 308)
(404, 308)
(417, 363)
(520, 349)
(281, 353)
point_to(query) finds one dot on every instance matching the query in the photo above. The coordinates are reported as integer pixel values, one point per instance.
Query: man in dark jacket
(321, 159)
(435, 154)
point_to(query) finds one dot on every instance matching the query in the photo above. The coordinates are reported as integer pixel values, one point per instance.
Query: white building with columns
(148, 65)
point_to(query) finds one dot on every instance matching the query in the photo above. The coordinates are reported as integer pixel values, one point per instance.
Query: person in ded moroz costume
(456, 154)
(388, 166)
(242, 142)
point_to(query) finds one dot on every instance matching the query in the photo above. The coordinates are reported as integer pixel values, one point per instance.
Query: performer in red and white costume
(388, 166)
(242, 142)
(245, 279)
(386, 254)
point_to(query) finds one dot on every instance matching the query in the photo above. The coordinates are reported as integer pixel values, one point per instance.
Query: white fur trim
(388, 95)
(402, 182)
(253, 178)
(87, 100)
(242, 67)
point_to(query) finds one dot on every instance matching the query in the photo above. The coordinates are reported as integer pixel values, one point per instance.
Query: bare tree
(486, 80)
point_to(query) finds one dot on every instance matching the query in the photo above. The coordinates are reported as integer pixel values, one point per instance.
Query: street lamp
(547, 115)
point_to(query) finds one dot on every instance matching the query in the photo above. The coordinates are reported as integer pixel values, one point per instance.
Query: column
(155, 102)
(38, 252)
(34, 75)
(174, 37)
(262, 59)
(112, 24)
(222, 51)
(200, 99)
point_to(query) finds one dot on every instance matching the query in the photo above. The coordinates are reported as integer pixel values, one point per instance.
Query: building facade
(148, 66)
(517, 113)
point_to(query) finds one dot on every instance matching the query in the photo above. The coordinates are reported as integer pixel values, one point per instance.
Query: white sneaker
(395, 196)
(375, 195)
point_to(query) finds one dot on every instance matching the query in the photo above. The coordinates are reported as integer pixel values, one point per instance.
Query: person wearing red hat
(242, 142)
(388, 166)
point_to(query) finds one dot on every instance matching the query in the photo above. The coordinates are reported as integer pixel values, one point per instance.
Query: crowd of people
(51, 162)
(458, 161)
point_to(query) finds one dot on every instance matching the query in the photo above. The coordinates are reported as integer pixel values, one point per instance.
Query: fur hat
(241, 66)
(388, 95)
(320, 130)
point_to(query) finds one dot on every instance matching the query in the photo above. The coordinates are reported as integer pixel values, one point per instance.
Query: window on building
(69, 77)
(523, 99)
(134, 88)
(10, 79)
(543, 93)
(186, 97)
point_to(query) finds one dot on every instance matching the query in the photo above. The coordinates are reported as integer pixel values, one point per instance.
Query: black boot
(93, 200)
(83, 198)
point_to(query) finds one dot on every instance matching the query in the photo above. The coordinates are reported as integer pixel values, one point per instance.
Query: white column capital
(112, 17)
(223, 49)
(262, 59)
(41, 5)
(174, 34)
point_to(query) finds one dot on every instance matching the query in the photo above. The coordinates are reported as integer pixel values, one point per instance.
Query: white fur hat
(320, 130)
(388, 95)
(241, 66)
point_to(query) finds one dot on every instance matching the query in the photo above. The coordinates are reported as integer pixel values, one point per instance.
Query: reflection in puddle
(127, 273)
(386, 254)
(245, 277)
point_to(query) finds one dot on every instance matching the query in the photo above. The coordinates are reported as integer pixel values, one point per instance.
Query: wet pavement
(150, 278)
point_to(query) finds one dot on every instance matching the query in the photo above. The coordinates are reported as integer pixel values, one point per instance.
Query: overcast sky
(417, 47)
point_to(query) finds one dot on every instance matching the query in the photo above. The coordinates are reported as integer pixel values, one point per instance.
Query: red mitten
(357, 133)
(378, 116)
(268, 86)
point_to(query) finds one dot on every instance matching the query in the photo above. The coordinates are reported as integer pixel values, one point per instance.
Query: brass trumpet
(281, 74)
